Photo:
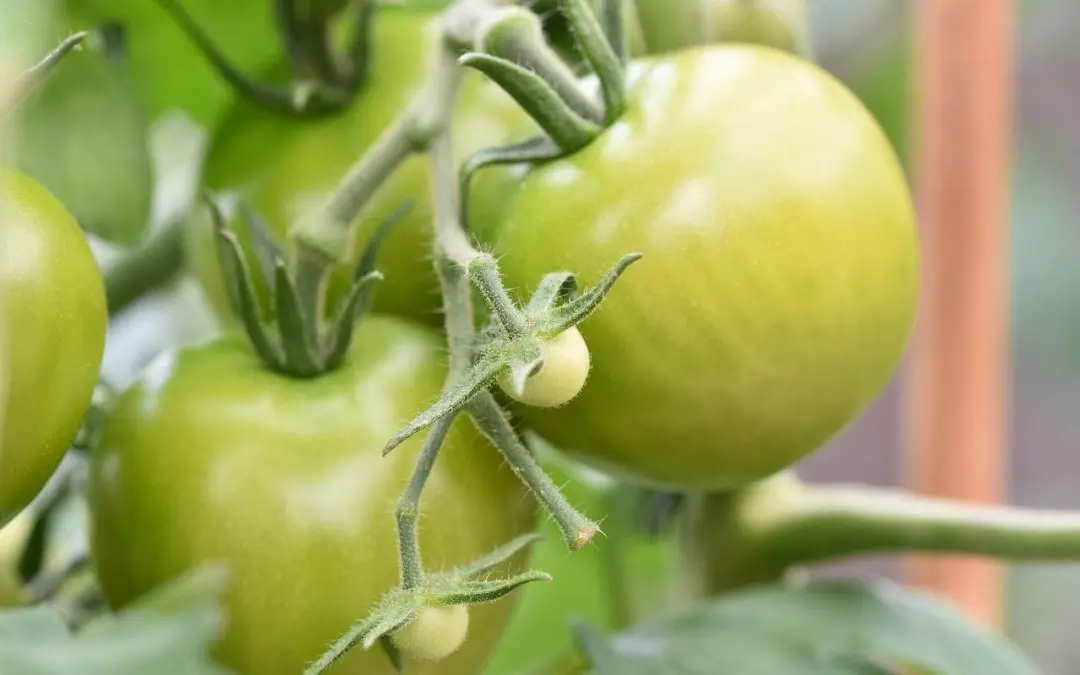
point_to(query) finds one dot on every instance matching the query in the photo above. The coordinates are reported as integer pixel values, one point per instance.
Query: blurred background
(868, 45)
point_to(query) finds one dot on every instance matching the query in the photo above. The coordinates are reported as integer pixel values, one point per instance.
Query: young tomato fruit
(284, 168)
(560, 379)
(780, 271)
(52, 335)
(211, 456)
(435, 633)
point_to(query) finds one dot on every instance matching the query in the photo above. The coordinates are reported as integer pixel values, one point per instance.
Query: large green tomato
(780, 272)
(211, 456)
(285, 167)
(52, 320)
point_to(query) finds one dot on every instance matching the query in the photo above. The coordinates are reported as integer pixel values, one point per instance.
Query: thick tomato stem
(152, 264)
(759, 532)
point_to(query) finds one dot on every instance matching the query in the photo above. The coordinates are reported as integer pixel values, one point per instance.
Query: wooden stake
(957, 391)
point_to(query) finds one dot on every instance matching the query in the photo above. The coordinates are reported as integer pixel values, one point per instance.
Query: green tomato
(211, 456)
(435, 633)
(53, 319)
(284, 168)
(780, 273)
(83, 136)
(669, 25)
(560, 378)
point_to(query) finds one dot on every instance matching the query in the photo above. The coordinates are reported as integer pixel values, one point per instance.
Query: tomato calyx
(302, 346)
(511, 51)
(323, 82)
(512, 346)
(466, 585)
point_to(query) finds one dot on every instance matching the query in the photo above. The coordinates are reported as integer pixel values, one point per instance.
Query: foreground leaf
(167, 633)
(826, 629)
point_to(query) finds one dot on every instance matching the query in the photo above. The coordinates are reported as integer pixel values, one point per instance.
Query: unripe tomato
(780, 271)
(52, 318)
(284, 168)
(435, 633)
(560, 379)
(211, 456)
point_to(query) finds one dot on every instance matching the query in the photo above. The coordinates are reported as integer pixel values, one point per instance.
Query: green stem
(28, 82)
(484, 272)
(451, 248)
(145, 268)
(615, 558)
(408, 507)
(832, 522)
(576, 529)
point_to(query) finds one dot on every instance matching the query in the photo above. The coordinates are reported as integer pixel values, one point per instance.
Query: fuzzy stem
(833, 522)
(149, 266)
(576, 529)
(408, 507)
(451, 248)
(484, 272)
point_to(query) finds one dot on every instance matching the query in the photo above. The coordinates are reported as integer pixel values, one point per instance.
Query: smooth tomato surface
(285, 168)
(52, 320)
(780, 272)
(213, 457)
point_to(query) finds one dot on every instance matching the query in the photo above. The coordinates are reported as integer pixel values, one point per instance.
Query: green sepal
(31, 79)
(392, 653)
(592, 41)
(479, 378)
(487, 563)
(266, 249)
(240, 289)
(533, 150)
(477, 592)
(561, 317)
(296, 342)
(569, 130)
(554, 289)
(294, 325)
(349, 311)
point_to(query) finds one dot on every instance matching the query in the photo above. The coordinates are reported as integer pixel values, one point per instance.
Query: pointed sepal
(578, 309)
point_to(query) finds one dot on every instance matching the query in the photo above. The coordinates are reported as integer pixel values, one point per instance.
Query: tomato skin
(53, 318)
(212, 456)
(560, 379)
(284, 168)
(780, 271)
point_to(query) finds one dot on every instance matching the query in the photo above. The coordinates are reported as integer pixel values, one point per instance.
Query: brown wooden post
(957, 388)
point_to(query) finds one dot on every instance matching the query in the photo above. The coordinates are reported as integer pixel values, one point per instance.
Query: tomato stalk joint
(416, 621)
(514, 346)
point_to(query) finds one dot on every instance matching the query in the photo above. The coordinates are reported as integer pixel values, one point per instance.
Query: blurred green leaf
(826, 629)
(167, 633)
(167, 70)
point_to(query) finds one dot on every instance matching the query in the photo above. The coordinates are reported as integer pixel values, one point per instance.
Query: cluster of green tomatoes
(772, 304)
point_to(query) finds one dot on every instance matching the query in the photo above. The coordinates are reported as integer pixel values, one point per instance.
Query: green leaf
(167, 633)
(826, 629)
